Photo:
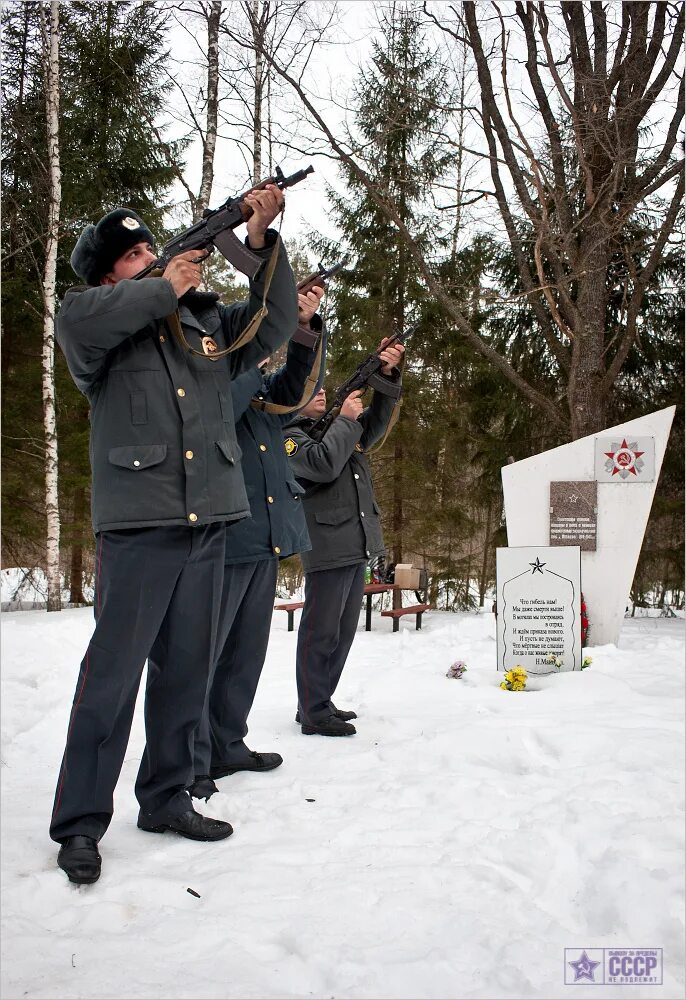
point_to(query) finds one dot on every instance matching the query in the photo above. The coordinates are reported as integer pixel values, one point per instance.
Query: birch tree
(50, 23)
(209, 138)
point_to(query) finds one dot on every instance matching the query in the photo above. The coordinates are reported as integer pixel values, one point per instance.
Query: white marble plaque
(539, 607)
(625, 459)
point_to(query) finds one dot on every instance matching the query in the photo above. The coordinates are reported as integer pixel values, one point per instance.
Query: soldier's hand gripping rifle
(366, 375)
(318, 279)
(215, 229)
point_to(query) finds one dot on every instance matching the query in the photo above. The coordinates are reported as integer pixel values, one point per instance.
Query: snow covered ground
(453, 848)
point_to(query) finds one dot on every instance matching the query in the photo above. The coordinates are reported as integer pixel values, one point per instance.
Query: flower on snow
(457, 669)
(515, 679)
(556, 661)
(587, 661)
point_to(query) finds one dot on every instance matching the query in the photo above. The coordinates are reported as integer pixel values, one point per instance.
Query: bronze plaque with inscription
(574, 514)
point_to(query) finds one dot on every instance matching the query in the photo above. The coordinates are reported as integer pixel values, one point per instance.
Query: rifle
(318, 279)
(366, 375)
(215, 229)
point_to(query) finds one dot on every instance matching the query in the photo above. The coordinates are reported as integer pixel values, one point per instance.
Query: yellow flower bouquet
(515, 680)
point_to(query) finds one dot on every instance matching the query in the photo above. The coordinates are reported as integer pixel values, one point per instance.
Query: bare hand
(391, 356)
(309, 303)
(352, 406)
(183, 272)
(266, 205)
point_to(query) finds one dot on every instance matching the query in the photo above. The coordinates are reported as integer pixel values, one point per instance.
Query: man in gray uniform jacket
(166, 480)
(345, 531)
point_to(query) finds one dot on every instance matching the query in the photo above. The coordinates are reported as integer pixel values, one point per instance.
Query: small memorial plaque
(625, 459)
(574, 514)
(539, 608)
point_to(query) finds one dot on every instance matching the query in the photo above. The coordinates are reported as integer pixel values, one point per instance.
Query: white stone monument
(539, 608)
(623, 507)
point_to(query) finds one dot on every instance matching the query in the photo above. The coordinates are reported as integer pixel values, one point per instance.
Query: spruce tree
(113, 89)
(397, 119)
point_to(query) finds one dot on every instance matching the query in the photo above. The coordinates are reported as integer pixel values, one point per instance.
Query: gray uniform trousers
(333, 599)
(245, 620)
(148, 581)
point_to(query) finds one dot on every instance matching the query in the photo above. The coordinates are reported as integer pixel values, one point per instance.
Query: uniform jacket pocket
(138, 456)
(336, 516)
(230, 450)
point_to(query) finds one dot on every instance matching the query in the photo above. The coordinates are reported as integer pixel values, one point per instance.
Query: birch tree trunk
(210, 140)
(258, 41)
(52, 79)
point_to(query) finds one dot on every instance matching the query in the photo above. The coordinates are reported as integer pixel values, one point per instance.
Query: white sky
(334, 67)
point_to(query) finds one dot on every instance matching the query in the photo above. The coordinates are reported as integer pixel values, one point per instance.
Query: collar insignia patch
(291, 446)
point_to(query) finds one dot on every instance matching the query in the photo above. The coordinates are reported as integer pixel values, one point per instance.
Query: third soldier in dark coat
(345, 531)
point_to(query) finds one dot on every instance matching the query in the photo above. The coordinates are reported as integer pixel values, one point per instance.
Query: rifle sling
(248, 333)
(308, 392)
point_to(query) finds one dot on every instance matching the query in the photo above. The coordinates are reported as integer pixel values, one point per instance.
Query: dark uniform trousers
(164, 581)
(333, 598)
(245, 620)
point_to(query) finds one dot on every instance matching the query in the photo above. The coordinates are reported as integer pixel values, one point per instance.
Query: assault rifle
(366, 375)
(318, 279)
(215, 229)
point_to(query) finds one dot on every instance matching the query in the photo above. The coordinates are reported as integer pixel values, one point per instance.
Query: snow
(454, 847)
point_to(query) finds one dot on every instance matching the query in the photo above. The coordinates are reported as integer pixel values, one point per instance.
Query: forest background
(507, 176)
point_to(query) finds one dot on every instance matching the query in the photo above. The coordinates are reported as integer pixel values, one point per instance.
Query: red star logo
(624, 459)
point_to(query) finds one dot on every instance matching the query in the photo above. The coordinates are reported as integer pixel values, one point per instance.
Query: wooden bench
(396, 615)
(291, 609)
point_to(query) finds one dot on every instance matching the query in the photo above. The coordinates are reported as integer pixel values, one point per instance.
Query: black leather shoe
(202, 788)
(332, 726)
(340, 713)
(253, 762)
(344, 716)
(80, 859)
(189, 824)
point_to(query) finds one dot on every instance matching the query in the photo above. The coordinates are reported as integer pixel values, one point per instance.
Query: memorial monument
(545, 493)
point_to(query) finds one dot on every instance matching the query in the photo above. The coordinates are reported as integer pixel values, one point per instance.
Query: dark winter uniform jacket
(341, 510)
(277, 526)
(163, 440)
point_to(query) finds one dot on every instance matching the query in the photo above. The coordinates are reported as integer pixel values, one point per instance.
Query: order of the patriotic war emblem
(625, 459)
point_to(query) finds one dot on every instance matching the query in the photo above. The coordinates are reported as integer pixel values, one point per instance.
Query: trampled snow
(454, 847)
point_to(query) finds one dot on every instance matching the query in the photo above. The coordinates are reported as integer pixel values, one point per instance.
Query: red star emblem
(624, 459)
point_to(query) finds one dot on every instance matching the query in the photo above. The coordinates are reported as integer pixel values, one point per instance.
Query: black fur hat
(99, 247)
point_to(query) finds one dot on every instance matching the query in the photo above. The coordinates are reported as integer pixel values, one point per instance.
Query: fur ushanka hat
(99, 247)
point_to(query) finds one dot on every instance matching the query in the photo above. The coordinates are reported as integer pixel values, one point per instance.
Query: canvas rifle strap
(308, 393)
(251, 329)
(393, 419)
